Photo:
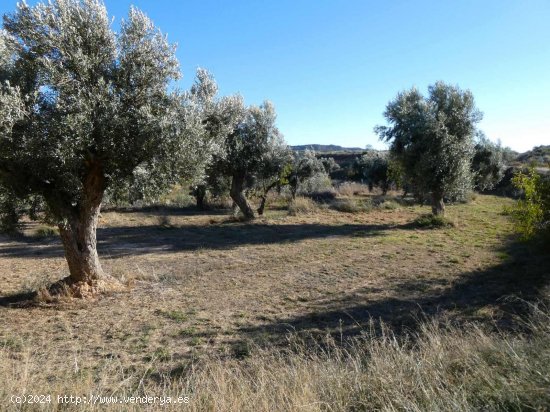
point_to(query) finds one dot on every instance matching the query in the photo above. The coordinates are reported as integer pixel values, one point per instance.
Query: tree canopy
(432, 138)
(84, 107)
(487, 163)
(253, 149)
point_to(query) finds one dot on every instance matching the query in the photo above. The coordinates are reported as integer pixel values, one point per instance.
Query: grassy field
(287, 312)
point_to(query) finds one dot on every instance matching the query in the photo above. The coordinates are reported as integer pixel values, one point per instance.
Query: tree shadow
(497, 296)
(163, 210)
(19, 300)
(117, 242)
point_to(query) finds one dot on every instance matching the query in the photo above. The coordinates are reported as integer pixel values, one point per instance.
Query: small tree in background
(329, 164)
(220, 117)
(82, 109)
(432, 138)
(373, 167)
(487, 163)
(304, 167)
(246, 150)
(274, 169)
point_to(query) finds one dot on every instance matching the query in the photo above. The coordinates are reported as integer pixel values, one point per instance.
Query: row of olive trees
(256, 163)
(433, 144)
(383, 170)
(85, 109)
(86, 112)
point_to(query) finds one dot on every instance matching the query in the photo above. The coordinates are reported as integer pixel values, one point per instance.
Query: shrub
(178, 197)
(46, 231)
(301, 206)
(221, 202)
(323, 196)
(319, 182)
(531, 214)
(433, 221)
(389, 205)
(164, 221)
(352, 205)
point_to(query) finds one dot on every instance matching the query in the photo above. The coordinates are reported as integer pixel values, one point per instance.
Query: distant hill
(327, 148)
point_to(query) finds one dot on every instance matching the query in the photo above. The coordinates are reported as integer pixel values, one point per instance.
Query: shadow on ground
(497, 296)
(133, 240)
(168, 210)
(119, 242)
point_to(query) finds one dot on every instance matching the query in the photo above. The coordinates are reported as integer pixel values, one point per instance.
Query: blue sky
(330, 67)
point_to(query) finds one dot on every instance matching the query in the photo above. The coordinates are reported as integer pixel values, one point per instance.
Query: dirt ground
(202, 283)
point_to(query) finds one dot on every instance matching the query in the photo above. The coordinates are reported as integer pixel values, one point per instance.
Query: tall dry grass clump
(302, 206)
(350, 189)
(439, 367)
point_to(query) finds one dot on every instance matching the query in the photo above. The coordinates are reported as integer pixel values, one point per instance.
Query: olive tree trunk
(438, 206)
(237, 194)
(261, 209)
(79, 242)
(264, 198)
(293, 188)
(78, 235)
(200, 196)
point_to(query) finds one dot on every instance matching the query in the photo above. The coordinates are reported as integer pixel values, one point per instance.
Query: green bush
(46, 231)
(432, 221)
(531, 214)
(389, 205)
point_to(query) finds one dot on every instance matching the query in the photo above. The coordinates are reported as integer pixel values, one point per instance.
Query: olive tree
(432, 138)
(246, 149)
(330, 164)
(219, 117)
(12, 110)
(274, 169)
(197, 106)
(487, 163)
(306, 166)
(373, 167)
(83, 107)
(213, 186)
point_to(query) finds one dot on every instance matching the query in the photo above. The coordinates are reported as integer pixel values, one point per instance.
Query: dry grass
(352, 205)
(302, 206)
(350, 189)
(213, 300)
(440, 367)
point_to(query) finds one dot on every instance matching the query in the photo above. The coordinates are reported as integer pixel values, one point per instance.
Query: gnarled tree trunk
(438, 206)
(78, 234)
(237, 194)
(261, 209)
(264, 198)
